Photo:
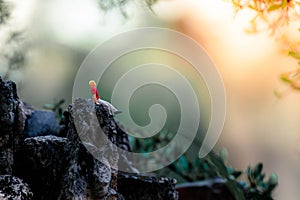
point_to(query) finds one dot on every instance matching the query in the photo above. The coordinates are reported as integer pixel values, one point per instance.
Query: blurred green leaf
(183, 162)
(284, 3)
(257, 170)
(223, 154)
(274, 7)
(236, 174)
(273, 179)
(294, 54)
(236, 192)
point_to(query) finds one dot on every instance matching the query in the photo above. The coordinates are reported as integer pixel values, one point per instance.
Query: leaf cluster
(274, 13)
(257, 187)
(248, 184)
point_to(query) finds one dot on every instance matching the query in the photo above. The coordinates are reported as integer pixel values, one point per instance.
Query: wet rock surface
(70, 167)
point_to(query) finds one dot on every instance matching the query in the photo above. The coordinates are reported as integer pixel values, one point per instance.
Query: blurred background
(55, 37)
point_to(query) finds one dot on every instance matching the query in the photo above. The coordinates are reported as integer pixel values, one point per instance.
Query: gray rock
(42, 165)
(66, 167)
(13, 188)
(138, 187)
(87, 177)
(207, 189)
(12, 121)
(41, 123)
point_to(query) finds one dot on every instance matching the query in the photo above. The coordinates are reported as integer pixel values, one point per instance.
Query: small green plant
(249, 184)
(258, 188)
(57, 108)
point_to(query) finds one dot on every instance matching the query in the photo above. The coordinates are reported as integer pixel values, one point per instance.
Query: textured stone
(13, 188)
(206, 190)
(138, 187)
(12, 123)
(42, 165)
(41, 123)
(87, 177)
(70, 167)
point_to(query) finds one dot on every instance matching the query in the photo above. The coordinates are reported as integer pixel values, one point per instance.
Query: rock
(208, 189)
(12, 122)
(118, 137)
(86, 176)
(137, 187)
(70, 167)
(41, 123)
(13, 188)
(42, 165)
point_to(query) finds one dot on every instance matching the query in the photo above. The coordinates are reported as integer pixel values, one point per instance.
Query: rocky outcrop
(12, 122)
(41, 163)
(82, 165)
(13, 188)
(87, 176)
(40, 123)
(207, 189)
(137, 187)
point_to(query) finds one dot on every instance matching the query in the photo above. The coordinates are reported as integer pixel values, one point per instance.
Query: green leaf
(216, 162)
(273, 179)
(205, 166)
(261, 177)
(274, 7)
(294, 54)
(236, 192)
(277, 93)
(284, 78)
(248, 170)
(223, 154)
(230, 170)
(257, 170)
(236, 174)
(183, 162)
(284, 3)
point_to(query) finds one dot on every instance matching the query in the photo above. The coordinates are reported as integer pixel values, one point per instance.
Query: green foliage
(292, 78)
(254, 187)
(57, 108)
(120, 4)
(294, 55)
(258, 188)
(274, 13)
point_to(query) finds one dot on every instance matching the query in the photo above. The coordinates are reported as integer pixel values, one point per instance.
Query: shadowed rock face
(41, 123)
(87, 177)
(66, 167)
(207, 189)
(12, 121)
(137, 187)
(12, 188)
(42, 165)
